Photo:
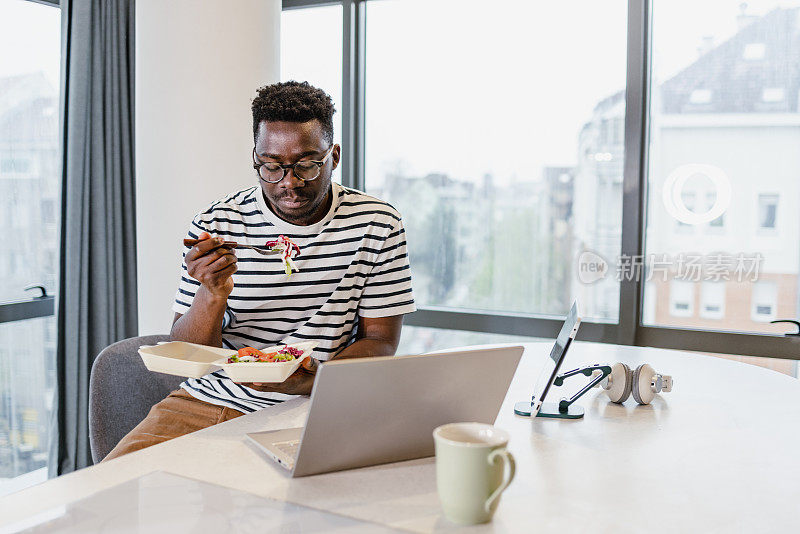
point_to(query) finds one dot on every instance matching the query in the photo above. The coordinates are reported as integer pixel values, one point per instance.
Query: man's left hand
(299, 383)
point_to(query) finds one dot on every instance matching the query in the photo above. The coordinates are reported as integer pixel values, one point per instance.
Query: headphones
(643, 383)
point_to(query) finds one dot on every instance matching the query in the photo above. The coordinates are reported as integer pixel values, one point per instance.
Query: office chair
(122, 391)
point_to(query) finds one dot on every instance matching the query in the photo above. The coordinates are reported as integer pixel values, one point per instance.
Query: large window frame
(43, 305)
(37, 307)
(629, 329)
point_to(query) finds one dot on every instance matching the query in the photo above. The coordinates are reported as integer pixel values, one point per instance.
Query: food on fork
(250, 354)
(288, 250)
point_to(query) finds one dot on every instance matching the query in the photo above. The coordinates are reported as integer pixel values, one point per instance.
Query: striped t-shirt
(352, 263)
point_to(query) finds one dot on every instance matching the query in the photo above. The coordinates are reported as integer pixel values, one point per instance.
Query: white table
(721, 453)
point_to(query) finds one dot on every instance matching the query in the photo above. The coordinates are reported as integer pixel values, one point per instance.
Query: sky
(30, 39)
(474, 87)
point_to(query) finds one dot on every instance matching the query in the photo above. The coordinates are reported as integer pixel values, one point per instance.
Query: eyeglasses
(305, 170)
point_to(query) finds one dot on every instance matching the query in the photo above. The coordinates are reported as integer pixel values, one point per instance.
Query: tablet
(553, 363)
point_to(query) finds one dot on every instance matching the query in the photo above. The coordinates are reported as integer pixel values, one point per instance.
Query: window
(681, 298)
(508, 164)
(689, 199)
(731, 155)
(30, 48)
(753, 51)
(700, 96)
(772, 94)
(767, 211)
(719, 222)
(311, 50)
(18, 165)
(712, 300)
(491, 205)
(765, 299)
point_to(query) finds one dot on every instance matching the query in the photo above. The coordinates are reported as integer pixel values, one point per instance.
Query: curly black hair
(293, 102)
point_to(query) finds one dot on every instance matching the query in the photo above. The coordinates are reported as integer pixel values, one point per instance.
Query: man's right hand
(212, 265)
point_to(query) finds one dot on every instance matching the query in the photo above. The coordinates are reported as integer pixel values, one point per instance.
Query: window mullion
(633, 200)
(353, 57)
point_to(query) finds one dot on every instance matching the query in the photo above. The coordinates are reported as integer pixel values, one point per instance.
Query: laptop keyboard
(288, 447)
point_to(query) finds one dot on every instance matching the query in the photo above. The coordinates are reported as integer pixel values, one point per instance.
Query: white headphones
(643, 383)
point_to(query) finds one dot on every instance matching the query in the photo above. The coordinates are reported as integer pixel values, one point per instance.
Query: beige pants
(178, 414)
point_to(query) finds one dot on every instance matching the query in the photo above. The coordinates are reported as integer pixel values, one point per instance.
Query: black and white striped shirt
(352, 263)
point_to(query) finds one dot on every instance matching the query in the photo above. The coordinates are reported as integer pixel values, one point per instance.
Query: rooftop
(756, 70)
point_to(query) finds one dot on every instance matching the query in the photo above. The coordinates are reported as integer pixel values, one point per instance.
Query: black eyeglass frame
(319, 163)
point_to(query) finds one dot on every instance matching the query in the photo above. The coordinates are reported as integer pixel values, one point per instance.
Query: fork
(234, 244)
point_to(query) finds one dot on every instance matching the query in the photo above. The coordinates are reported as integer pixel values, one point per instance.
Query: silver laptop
(378, 410)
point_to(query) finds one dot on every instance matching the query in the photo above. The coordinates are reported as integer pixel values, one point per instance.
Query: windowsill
(12, 485)
(762, 319)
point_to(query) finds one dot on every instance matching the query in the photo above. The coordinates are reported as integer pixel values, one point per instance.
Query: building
(735, 108)
(597, 214)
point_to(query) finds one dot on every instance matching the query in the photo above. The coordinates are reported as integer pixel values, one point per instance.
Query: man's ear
(336, 155)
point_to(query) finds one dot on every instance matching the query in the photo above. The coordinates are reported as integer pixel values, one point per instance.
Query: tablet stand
(565, 408)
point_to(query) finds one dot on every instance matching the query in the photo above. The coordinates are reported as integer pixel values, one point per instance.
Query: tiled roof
(756, 70)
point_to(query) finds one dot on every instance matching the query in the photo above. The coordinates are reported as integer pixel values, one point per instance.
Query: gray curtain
(97, 293)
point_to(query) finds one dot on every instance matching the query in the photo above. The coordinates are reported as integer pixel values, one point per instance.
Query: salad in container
(270, 364)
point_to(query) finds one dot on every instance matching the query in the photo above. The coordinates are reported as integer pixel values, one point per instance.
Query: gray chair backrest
(122, 391)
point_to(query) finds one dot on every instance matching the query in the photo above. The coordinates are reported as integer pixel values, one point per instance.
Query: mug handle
(508, 475)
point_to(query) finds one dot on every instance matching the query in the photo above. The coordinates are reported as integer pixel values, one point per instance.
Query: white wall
(756, 159)
(198, 64)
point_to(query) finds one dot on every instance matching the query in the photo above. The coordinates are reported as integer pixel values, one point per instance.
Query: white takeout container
(183, 359)
(192, 360)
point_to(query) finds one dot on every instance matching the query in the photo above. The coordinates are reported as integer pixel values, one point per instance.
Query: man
(349, 295)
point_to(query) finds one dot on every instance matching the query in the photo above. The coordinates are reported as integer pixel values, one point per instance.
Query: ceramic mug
(473, 468)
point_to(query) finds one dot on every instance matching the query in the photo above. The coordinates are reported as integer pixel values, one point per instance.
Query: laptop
(372, 411)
